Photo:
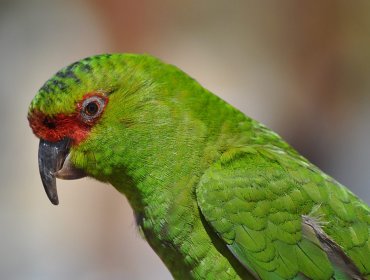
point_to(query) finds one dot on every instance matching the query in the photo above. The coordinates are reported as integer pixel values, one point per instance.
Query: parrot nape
(216, 194)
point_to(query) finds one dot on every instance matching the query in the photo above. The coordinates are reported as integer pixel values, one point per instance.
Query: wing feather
(259, 199)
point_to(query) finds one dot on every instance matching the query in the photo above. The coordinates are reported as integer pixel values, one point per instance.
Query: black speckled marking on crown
(58, 84)
(99, 57)
(69, 72)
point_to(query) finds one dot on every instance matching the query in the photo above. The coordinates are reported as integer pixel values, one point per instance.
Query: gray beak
(54, 163)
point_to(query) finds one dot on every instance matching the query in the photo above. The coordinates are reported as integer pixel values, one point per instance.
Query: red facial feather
(60, 126)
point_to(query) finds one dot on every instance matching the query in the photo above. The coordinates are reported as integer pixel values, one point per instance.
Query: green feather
(217, 194)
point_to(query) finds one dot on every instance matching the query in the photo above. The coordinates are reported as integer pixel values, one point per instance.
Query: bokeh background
(300, 67)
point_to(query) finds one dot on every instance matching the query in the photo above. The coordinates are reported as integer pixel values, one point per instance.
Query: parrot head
(85, 110)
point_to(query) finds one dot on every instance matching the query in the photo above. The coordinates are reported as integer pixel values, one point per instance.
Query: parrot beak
(54, 162)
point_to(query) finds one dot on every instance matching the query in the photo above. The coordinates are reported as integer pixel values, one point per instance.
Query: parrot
(215, 193)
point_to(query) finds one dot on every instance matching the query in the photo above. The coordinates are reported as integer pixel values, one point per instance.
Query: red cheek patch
(58, 127)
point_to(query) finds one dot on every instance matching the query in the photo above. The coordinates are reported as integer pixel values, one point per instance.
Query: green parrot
(215, 193)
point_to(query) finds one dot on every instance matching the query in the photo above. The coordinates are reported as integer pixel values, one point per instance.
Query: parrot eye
(92, 107)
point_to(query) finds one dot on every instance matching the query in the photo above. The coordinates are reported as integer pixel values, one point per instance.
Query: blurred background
(300, 67)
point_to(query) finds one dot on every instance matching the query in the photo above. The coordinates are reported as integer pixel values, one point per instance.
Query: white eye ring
(92, 107)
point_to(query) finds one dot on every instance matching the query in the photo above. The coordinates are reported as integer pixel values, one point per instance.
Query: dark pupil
(91, 108)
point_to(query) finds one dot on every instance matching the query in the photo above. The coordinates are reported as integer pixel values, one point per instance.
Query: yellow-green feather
(216, 194)
(284, 188)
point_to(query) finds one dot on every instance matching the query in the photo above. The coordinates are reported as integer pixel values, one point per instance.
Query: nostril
(49, 123)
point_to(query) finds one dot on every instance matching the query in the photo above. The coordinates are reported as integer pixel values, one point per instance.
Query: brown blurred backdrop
(301, 67)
